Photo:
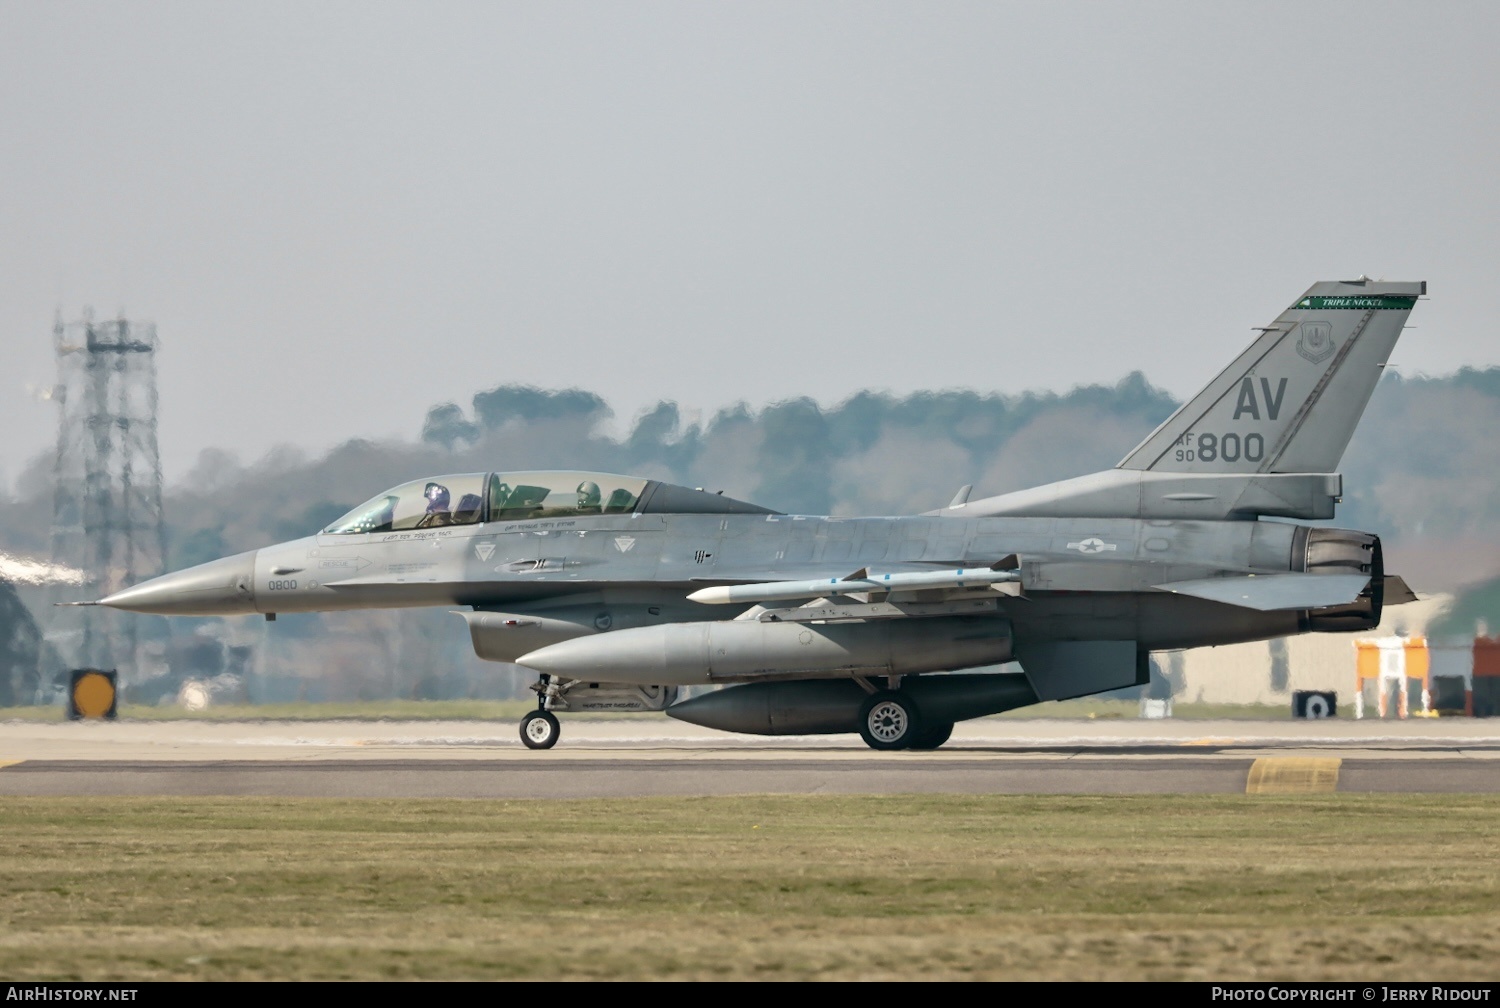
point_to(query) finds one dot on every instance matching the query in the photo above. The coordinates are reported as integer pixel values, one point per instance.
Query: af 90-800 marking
(1228, 447)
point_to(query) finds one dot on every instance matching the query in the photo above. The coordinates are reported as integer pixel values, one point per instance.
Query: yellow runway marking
(9, 762)
(1293, 775)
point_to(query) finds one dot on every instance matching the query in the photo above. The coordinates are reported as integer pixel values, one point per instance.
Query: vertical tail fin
(1289, 403)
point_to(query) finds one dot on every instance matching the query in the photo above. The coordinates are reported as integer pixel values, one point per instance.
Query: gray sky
(341, 213)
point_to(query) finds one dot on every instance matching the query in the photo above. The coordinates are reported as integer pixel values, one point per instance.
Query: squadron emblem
(1315, 342)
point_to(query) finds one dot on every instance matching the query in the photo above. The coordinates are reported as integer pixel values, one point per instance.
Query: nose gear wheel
(540, 730)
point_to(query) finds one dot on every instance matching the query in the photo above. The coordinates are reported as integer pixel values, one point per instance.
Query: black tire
(540, 730)
(933, 736)
(889, 720)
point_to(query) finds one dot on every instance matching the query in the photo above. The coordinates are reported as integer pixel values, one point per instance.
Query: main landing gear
(890, 720)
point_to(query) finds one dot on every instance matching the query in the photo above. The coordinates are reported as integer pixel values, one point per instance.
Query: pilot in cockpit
(589, 498)
(437, 506)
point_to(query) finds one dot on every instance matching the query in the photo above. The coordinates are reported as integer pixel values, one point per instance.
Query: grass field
(781, 888)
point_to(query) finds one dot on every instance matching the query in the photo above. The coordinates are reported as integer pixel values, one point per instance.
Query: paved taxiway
(622, 758)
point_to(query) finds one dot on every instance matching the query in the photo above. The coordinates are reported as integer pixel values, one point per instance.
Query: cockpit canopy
(471, 498)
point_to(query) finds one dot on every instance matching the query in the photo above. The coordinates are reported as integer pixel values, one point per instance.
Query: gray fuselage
(1083, 579)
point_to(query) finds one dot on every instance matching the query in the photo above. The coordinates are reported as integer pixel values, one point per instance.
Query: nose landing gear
(539, 729)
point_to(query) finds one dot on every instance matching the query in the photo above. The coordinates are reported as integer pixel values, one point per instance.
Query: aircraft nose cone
(217, 588)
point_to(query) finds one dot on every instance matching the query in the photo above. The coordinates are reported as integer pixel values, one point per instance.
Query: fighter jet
(618, 592)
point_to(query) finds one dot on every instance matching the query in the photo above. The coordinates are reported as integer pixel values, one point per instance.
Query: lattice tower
(106, 515)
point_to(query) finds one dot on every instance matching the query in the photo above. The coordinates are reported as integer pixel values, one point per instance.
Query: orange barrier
(1393, 661)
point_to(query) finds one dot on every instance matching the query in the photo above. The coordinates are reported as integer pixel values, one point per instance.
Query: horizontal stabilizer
(1267, 592)
(1397, 591)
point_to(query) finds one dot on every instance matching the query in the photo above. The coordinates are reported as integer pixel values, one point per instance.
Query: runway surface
(643, 757)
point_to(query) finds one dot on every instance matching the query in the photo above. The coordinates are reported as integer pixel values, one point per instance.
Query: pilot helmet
(588, 494)
(437, 497)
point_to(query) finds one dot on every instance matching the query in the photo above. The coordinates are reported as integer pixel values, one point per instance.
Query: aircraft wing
(1268, 592)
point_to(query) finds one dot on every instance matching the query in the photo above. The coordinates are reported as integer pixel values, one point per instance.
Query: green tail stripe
(1358, 303)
